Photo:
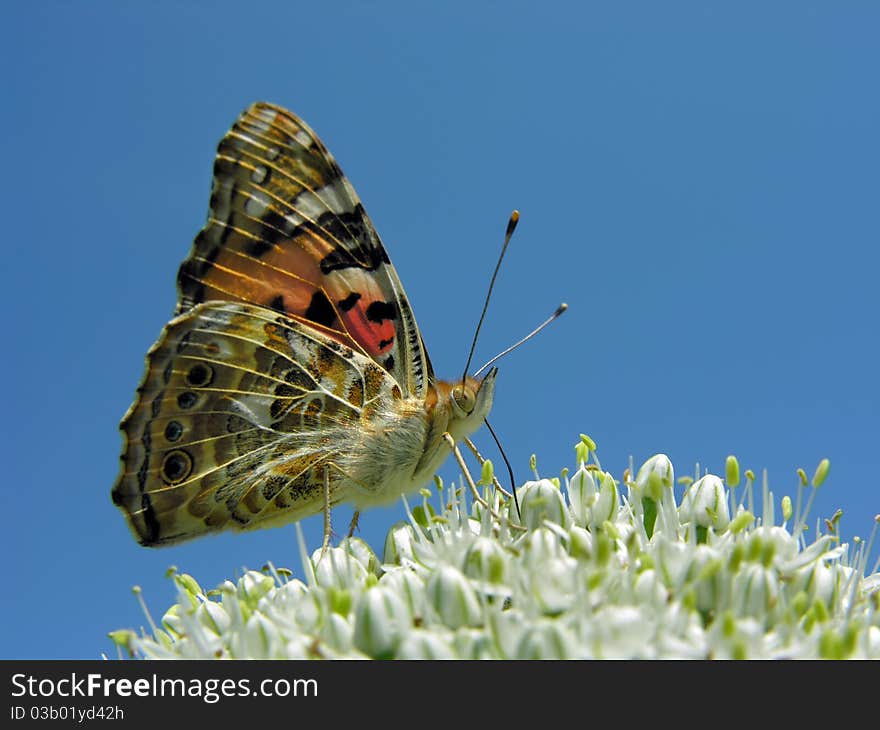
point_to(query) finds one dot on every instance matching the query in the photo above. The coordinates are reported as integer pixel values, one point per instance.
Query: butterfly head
(470, 401)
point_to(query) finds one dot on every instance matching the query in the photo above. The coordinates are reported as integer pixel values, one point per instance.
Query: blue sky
(697, 180)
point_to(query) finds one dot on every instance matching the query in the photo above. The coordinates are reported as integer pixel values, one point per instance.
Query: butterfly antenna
(511, 226)
(507, 464)
(559, 310)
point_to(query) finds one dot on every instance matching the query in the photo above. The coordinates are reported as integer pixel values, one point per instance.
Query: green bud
(588, 442)
(190, 588)
(821, 472)
(728, 624)
(741, 521)
(820, 611)
(421, 516)
(830, 645)
(800, 603)
(731, 471)
(123, 638)
(787, 511)
(340, 600)
(649, 508)
(486, 474)
(737, 555)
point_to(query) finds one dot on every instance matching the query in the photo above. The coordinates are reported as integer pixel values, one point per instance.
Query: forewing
(286, 231)
(240, 411)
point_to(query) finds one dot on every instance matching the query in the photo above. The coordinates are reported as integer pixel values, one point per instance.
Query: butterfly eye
(463, 399)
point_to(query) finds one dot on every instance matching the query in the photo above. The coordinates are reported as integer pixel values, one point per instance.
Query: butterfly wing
(225, 429)
(287, 231)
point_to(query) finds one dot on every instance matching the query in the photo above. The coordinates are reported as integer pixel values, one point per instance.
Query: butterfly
(293, 376)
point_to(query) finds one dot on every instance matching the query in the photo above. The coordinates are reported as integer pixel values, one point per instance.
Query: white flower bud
(253, 585)
(486, 561)
(409, 586)
(399, 544)
(605, 507)
(649, 589)
(337, 633)
(580, 542)
(705, 503)
(338, 568)
(363, 553)
(653, 476)
(259, 640)
(551, 571)
(782, 543)
(541, 500)
(582, 490)
(623, 632)
(708, 576)
(172, 621)
(546, 639)
(421, 644)
(212, 616)
(381, 621)
(817, 580)
(295, 599)
(452, 597)
(473, 644)
(755, 592)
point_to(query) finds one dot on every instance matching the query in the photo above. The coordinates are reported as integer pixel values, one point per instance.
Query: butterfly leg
(354, 523)
(473, 448)
(326, 542)
(475, 494)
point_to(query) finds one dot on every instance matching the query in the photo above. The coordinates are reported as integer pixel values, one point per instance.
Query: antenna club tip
(511, 224)
(560, 309)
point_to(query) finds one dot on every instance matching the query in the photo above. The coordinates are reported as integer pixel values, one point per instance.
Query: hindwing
(240, 411)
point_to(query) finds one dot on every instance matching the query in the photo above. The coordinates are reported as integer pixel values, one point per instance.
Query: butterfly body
(293, 377)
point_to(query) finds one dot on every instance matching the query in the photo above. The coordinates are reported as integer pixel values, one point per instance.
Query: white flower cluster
(584, 572)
